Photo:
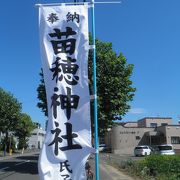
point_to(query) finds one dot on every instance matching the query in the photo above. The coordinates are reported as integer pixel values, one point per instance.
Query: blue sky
(147, 32)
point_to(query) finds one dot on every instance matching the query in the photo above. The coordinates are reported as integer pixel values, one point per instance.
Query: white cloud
(137, 111)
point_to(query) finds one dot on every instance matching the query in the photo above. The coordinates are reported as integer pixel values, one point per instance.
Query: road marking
(21, 163)
(15, 165)
(4, 168)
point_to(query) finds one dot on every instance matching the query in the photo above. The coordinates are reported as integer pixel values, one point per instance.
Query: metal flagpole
(77, 3)
(96, 141)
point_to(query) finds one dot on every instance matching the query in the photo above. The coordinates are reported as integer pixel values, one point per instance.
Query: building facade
(37, 137)
(123, 137)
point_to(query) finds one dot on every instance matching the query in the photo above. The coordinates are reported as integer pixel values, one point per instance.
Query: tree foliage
(10, 109)
(42, 104)
(12, 120)
(23, 129)
(114, 87)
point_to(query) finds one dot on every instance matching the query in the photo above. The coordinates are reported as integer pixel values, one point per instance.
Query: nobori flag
(64, 48)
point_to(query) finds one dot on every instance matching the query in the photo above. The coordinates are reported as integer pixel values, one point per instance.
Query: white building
(36, 139)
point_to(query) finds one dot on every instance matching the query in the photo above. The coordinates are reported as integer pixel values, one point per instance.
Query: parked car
(142, 150)
(165, 149)
(106, 150)
(102, 147)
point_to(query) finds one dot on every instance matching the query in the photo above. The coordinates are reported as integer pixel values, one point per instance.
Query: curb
(19, 154)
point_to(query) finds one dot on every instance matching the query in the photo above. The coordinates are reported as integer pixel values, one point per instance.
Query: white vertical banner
(64, 49)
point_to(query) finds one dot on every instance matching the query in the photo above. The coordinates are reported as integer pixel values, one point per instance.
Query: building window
(164, 124)
(138, 137)
(34, 134)
(41, 134)
(175, 140)
(153, 124)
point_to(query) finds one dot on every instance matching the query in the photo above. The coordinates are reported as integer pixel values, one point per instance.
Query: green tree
(23, 130)
(10, 110)
(42, 104)
(114, 87)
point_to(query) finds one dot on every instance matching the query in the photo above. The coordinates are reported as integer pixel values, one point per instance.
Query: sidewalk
(114, 173)
(107, 171)
(114, 161)
(18, 153)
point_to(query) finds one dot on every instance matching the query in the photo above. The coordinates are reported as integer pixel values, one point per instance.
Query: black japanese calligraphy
(67, 102)
(52, 18)
(65, 68)
(65, 166)
(72, 17)
(57, 139)
(66, 177)
(55, 102)
(63, 46)
(56, 70)
(68, 137)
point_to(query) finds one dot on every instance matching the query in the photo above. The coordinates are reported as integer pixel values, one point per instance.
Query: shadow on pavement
(33, 158)
(22, 164)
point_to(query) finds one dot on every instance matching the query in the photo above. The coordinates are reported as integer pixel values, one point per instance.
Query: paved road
(19, 168)
(25, 168)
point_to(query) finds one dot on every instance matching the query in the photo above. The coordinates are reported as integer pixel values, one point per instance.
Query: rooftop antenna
(178, 119)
